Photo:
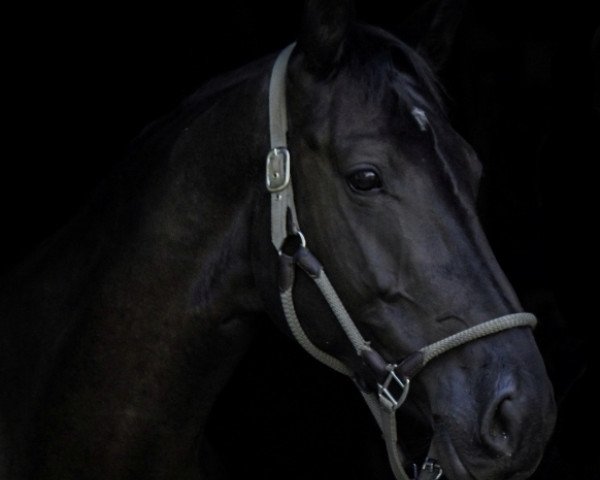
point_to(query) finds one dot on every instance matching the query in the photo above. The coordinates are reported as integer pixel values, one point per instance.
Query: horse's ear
(323, 32)
(431, 29)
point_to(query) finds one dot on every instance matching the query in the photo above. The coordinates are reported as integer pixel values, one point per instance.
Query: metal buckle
(433, 468)
(391, 383)
(278, 169)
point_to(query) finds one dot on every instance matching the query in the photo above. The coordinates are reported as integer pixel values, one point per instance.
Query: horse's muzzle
(492, 423)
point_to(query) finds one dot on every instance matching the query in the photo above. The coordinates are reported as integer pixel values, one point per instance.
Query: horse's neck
(184, 242)
(183, 211)
(156, 289)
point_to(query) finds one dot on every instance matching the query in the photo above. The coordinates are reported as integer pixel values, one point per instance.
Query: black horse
(120, 332)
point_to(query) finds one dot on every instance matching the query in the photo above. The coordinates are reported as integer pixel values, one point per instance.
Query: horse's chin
(455, 469)
(449, 459)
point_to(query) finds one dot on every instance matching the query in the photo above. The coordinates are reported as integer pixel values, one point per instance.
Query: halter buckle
(278, 169)
(431, 470)
(394, 390)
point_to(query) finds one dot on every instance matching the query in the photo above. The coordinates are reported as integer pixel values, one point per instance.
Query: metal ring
(302, 239)
(298, 234)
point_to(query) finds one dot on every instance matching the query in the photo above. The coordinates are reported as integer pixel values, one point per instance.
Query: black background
(81, 82)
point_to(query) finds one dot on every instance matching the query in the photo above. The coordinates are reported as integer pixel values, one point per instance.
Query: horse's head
(385, 192)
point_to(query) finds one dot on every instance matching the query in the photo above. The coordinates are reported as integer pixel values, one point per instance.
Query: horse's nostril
(500, 426)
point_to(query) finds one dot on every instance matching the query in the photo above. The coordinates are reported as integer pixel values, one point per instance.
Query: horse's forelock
(378, 59)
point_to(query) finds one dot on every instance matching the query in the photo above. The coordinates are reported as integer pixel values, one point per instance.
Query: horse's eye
(364, 180)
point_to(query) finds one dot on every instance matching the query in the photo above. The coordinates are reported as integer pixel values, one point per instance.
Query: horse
(119, 333)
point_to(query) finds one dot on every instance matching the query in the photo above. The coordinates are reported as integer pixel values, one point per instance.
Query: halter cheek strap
(392, 380)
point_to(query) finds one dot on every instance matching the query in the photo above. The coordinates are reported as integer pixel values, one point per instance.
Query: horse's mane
(206, 96)
(374, 56)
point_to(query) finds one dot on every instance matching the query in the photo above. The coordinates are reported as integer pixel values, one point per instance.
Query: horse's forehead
(376, 105)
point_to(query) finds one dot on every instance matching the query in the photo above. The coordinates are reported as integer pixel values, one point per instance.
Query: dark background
(81, 82)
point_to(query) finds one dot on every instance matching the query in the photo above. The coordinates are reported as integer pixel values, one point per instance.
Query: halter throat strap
(392, 380)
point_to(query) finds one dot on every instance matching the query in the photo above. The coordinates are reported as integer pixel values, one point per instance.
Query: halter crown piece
(393, 380)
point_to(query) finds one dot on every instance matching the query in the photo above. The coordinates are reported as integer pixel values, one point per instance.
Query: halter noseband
(393, 380)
